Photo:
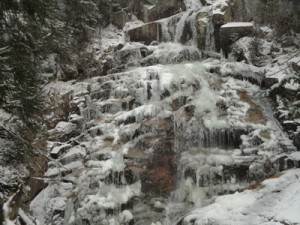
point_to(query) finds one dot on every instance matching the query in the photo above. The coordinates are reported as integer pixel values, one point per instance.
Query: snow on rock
(55, 171)
(9, 181)
(239, 70)
(59, 87)
(295, 156)
(275, 201)
(111, 36)
(254, 51)
(65, 128)
(237, 24)
(59, 150)
(292, 85)
(4, 115)
(52, 198)
(282, 68)
(218, 3)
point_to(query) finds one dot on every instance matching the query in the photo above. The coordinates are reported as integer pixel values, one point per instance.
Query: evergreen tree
(83, 20)
(23, 24)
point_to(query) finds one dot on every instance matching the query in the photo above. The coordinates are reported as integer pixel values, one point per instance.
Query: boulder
(252, 50)
(290, 91)
(63, 131)
(157, 169)
(68, 72)
(269, 82)
(59, 150)
(231, 32)
(290, 125)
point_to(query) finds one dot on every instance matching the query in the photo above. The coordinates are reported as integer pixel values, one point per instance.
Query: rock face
(205, 32)
(157, 9)
(146, 33)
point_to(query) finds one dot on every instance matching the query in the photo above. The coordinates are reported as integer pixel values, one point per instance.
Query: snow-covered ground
(275, 201)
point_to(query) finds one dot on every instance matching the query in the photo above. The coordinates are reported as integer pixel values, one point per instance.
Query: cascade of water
(166, 31)
(210, 40)
(192, 21)
(180, 27)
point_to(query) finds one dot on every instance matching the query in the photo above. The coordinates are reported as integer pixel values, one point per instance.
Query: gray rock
(119, 19)
(231, 32)
(282, 15)
(68, 72)
(157, 9)
(146, 33)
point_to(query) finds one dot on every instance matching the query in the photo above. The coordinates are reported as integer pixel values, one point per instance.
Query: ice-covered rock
(163, 130)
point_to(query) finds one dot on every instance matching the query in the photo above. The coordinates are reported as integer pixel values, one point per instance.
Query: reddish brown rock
(163, 145)
(254, 114)
(160, 177)
(159, 125)
(178, 102)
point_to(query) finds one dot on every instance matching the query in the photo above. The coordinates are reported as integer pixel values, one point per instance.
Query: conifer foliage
(23, 25)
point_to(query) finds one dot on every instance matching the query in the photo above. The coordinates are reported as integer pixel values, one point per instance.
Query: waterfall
(185, 28)
(168, 133)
